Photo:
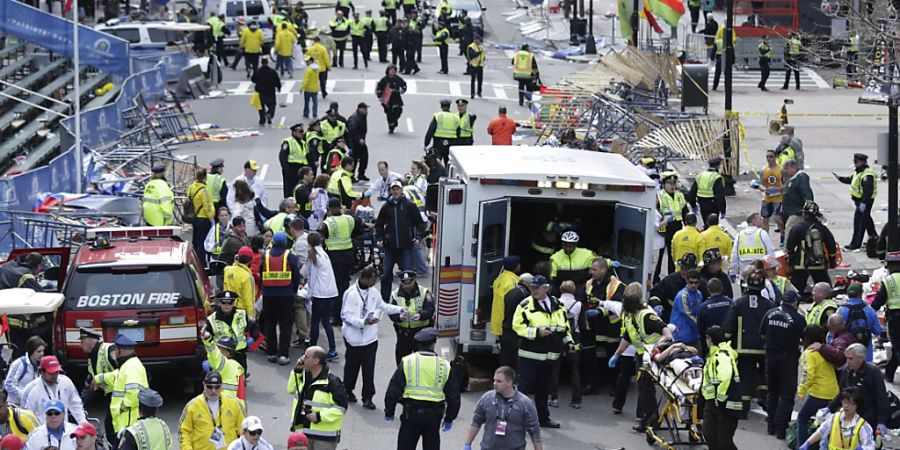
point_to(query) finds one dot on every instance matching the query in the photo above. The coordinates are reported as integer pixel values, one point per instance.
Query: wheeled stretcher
(679, 381)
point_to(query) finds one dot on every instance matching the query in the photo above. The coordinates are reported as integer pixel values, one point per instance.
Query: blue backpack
(858, 323)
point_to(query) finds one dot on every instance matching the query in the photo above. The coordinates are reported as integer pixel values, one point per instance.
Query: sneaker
(575, 405)
(351, 397)
(272, 358)
(553, 403)
(283, 360)
(416, 70)
(368, 405)
(332, 355)
(617, 411)
(363, 178)
(850, 247)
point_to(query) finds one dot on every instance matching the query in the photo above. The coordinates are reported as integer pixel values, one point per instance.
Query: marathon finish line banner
(103, 51)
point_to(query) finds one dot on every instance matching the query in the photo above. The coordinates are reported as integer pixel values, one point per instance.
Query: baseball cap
(280, 239)
(237, 221)
(334, 202)
(252, 423)
(252, 165)
(213, 377)
(50, 364)
(397, 183)
(539, 280)
(13, 442)
(362, 105)
(245, 251)
(297, 438)
(54, 405)
(855, 290)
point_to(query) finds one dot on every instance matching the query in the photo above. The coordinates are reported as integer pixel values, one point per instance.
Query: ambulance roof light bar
(119, 233)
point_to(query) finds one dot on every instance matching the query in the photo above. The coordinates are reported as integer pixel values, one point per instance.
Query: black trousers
(391, 15)
(646, 401)
(342, 262)
(695, 16)
(572, 360)
(419, 49)
(393, 113)
(799, 277)
(290, 176)
(752, 369)
(862, 223)
(361, 153)
(202, 226)
(894, 336)
(523, 88)
(718, 74)
(444, 50)
(408, 8)
(356, 358)
(606, 375)
(267, 112)
(719, 426)
(358, 43)
(406, 343)
(707, 207)
(411, 64)
(442, 147)
(627, 369)
(420, 422)
(280, 315)
(763, 72)
(323, 82)
(367, 46)
(477, 76)
(789, 67)
(851, 65)
(220, 51)
(337, 59)
(671, 229)
(398, 57)
(534, 379)
(382, 38)
(781, 378)
(509, 348)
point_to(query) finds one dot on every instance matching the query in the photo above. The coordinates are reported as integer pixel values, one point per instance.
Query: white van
(250, 10)
(496, 199)
(151, 35)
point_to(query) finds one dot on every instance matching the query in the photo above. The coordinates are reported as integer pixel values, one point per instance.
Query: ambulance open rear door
(629, 235)
(491, 245)
(449, 241)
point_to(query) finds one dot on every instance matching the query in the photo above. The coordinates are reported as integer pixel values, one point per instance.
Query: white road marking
(242, 88)
(822, 84)
(455, 89)
(329, 85)
(500, 92)
(370, 85)
(409, 125)
(412, 87)
(262, 173)
(288, 86)
(281, 122)
(290, 99)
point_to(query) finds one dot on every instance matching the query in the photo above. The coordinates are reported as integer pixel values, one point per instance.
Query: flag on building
(669, 10)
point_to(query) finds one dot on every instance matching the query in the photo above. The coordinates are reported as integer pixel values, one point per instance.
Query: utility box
(694, 86)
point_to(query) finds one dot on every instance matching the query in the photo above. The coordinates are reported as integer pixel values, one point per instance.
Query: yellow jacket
(716, 237)
(310, 80)
(817, 377)
(687, 240)
(196, 424)
(201, 200)
(504, 283)
(239, 279)
(320, 56)
(251, 41)
(284, 43)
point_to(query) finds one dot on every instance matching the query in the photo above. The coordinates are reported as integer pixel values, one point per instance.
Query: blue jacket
(871, 319)
(684, 315)
(294, 265)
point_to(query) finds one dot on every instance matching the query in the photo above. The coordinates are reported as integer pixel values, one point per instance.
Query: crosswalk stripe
(500, 93)
(370, 85)
(432, 88)
(455, 89)
(411, 87)
(329, 85)
(287, 86)
(242, 87)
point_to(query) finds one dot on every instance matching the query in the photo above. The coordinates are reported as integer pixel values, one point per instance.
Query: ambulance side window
(493, 240)
(631, 246)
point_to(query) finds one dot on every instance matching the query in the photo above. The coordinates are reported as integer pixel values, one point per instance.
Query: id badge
(501, 428)
(218, 438)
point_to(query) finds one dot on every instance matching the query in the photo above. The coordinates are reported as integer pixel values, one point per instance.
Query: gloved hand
(805, 446)
(250, 341)
(388, 418)
(862, 207)
(754, 184)
(612, 361)
(616, 264)
(658, 309)
(205, 366)
(467, 446)
(591, 313)
(446, 426)
(881, 428)
(670, 219)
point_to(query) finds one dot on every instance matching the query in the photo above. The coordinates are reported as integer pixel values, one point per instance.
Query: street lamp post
(893, 232)
(590, 47)
(635, 4)
(729, 60)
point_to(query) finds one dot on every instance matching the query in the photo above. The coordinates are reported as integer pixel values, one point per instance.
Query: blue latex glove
(446, 426)
(205, 366)
(670, 219)
(805, 446)
(383, 198)
(862, 207)
(612, 361)
(616, 264)
(591, 313)
(882, 428)
(754, 184)
(658, 309)
(250, 341)
(388, 418)
(467, 447)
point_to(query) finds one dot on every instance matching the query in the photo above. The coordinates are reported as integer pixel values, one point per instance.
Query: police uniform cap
(714, 162)
(297, 126)
(427, 335)
(860, 157)
(407, 276)
(88, 333)
(445, 102)
(226, 295)
(218, 162)
(334, 202)
(158, 168)
(213, 377)
(539, 280)
(462, 101)
(123, 341)
(150, 398)
(669, 176)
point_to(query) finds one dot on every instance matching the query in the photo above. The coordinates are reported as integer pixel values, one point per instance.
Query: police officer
(742, 323)
(427, 387)
(465, 33)
(340, 31)
(357, 37)
(765, 57)
(709, 191)
(792, 49)
(810, 248)
(332, 129)
(101, 355)
(149, 432)
(345, 7)
(889, 297)
(215, 182)
(409, 37)
(475, 57)
(721, 390)
(602, 328)
(852, 53)
(525, 70)
(863, 190)
(444, 129)
(369, 23)
(390, 11)
(338, 230)
(320, 400)
(418, 305)
(220, 355)
(672, 207)
(441, 36)
(340, 185)
(22, 273)
(292, 156)
(124, 383)
(544, 332)
(662, 295)
(466, 123)
(218, 30)
(159, 201)
(382, 26)
(782, 329)
(229, 321)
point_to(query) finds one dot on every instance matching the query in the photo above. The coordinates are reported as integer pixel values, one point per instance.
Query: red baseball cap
(245, 251)
(297, 438)
(50, 364)
(11, 442)
(85, 429)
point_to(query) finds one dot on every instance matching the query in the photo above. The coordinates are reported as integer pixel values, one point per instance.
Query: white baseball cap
(251, 423)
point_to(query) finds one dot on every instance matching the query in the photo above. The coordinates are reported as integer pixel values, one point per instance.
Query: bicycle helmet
(571, 237)
(711, 256)
(756, 280)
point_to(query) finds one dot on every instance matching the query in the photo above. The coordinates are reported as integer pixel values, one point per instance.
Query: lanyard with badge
(502, 415)
(217, 437)
(365, 311)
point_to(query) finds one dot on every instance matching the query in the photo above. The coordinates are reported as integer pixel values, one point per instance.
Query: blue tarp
(98, 49)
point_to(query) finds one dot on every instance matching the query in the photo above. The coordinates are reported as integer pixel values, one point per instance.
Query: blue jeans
(420, 263)
(806, 413)
(321, 312)
(401, 256)
(284, 64)
(307, 97)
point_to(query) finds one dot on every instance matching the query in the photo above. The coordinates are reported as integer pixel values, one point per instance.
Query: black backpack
(858, 324)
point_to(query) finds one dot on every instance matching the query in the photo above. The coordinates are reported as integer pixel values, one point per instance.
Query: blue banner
(103, 51)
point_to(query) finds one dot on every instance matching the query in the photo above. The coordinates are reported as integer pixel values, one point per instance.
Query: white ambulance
(496, 200)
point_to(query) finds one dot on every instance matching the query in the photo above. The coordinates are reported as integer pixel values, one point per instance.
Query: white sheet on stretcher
(670, 380)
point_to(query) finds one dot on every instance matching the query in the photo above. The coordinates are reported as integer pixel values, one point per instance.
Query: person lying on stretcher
(680, 359)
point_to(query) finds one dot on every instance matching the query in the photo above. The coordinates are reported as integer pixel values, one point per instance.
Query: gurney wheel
(650, 439)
